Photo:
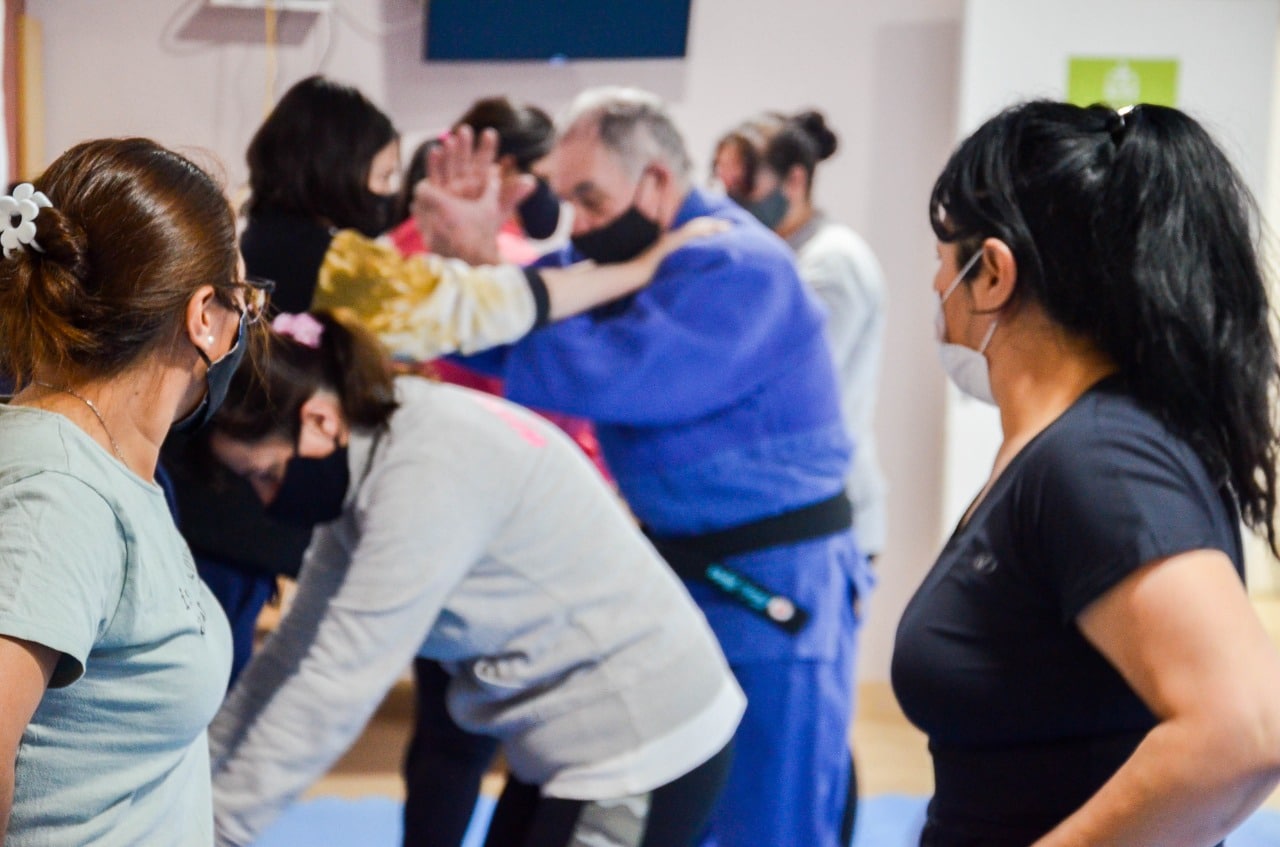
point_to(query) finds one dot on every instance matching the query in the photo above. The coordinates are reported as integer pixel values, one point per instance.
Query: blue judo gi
(715, 403)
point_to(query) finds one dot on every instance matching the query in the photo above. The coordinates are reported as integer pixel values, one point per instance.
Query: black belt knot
(701, 557)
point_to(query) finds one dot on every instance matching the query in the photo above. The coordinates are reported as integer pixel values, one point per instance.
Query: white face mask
(967, 367)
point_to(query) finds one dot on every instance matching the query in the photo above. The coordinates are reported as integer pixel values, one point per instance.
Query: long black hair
(311, 156)
(1133, 230)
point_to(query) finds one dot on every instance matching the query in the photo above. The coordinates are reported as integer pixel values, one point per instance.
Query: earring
(211, 339)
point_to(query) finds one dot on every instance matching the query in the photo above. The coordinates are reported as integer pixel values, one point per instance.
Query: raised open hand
(461, 164)
(464, 200)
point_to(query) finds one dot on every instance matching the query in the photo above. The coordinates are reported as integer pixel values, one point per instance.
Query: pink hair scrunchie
(301, 327)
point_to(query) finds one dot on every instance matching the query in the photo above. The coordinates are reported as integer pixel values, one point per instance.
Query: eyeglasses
(257, 293)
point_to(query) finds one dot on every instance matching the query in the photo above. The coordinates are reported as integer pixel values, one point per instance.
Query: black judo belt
(701, 557)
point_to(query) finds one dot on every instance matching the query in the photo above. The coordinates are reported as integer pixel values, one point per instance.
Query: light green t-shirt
(92, 566)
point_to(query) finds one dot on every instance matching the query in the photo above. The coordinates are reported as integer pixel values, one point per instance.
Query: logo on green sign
(1122, 82)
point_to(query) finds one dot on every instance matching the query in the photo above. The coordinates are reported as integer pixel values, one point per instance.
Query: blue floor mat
(368, 822)
(889, 820)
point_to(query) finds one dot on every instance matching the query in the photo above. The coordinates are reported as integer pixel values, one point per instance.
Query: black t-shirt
(289, 250)
(1026, 720)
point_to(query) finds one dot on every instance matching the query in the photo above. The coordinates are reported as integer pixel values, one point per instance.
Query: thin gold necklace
(92, 408)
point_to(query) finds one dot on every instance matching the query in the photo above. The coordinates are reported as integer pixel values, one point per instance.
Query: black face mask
(540, 212)
(312, 490)
(217, 378)
(620, 240)
(376, 214)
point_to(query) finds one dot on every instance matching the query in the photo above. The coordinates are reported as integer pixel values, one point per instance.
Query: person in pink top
(525, 134)
(513, 243)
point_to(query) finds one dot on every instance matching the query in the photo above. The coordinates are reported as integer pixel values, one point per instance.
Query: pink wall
(884, 71)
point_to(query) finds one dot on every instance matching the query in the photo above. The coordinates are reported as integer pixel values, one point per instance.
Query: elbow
(1265, 758)
(1247, 740)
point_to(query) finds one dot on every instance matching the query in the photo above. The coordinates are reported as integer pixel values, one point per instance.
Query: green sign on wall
(1122, 82)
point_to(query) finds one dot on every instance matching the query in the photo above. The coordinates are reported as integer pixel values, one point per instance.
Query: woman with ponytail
(459, 527)
(124, 310)
(768, 164)
(1083, 654)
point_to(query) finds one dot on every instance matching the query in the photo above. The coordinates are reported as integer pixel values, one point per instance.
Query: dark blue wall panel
(495, 30)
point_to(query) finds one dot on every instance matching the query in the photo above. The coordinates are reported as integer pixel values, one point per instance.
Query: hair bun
(59, 249)
(46, 281)
(815, 126)
(63, 242)
(60, 269)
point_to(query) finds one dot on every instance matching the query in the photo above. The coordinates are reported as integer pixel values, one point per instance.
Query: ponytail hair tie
(1118, 123)
(300, 327)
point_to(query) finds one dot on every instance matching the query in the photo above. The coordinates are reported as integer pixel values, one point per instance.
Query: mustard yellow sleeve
(424, 306)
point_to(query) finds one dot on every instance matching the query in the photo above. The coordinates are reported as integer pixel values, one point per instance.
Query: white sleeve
(851, 295)
(426, 306)
(354, 625)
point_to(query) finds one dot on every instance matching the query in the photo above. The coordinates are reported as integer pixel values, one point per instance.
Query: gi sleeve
(851, 291)
(701, 337)
(424, 306)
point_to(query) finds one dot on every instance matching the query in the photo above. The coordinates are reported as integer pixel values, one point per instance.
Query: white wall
(884, 71)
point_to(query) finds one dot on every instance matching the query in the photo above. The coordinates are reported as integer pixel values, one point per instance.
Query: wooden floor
(891, 753)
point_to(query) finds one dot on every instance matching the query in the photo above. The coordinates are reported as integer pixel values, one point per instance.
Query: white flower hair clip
(301, 327)
(23, 205)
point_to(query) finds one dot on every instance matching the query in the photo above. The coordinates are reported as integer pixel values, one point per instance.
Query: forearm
(579, 288)
(301, 702)
(355, 623)
(1189, 784)
(587, 285)
(280, 755)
